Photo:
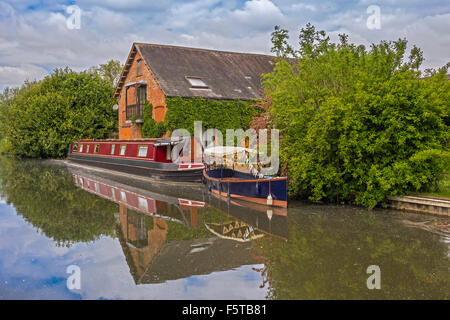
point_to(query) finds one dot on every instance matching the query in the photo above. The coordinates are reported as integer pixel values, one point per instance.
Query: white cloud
(15, 76)
(258, 11)
(37, 39)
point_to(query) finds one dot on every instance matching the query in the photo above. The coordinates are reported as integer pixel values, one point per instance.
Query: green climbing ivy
(219, 114)
(151, 128)
(183, 112)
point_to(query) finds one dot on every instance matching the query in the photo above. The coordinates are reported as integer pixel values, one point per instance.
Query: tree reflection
(45, 196)
(327, 256)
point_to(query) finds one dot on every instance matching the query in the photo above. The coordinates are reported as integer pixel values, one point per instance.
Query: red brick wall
(155, 96)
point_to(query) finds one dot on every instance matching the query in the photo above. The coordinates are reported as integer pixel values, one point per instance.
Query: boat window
(96, 148)
(142, 151)
(169, 153)
(81, 148)
(123, 148)
(113, 148)
(75, 148)
(87, 148)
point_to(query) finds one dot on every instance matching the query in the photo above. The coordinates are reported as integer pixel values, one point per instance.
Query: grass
(444, 188)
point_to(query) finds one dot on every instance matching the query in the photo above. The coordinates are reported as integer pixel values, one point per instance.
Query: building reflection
(166, 238)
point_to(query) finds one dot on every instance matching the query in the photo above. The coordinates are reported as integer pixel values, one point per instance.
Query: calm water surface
(135, 241)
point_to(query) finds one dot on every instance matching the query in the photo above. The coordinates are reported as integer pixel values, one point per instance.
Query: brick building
(156, 72)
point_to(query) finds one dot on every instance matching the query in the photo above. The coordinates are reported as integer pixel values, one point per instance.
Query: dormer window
(197, 83)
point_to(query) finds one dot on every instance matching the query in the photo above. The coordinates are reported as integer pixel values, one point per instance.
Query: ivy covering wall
(151, 128)
(219, 114)
(183, 112)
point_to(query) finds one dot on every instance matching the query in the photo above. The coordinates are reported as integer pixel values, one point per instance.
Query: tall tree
(109, 71)
(358, 124)
(44, 117)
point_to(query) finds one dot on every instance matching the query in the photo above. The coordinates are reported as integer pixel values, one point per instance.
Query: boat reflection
(167, 238)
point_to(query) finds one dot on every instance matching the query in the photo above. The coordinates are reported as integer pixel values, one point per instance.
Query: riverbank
(429, 205)
(435, 203)
(444, 189)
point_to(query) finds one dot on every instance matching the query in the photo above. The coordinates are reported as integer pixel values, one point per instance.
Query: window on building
(142, 151)
(75, 148)
(139, 68)
(136, 110)
(197, 83)
(123, 196)
(142, 97)
(143, 204)
(87, 148)
(81, 148)
(113, 149)
(96, 148)
(123, 149)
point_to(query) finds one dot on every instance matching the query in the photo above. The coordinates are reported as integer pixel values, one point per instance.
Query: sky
(37, 36)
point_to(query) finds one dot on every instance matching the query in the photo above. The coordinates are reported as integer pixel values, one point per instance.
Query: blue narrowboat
(253, 187)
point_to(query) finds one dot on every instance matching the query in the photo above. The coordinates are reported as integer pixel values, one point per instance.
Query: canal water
(133, 240)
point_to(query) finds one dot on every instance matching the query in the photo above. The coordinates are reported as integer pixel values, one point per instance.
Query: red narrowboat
(146, 157)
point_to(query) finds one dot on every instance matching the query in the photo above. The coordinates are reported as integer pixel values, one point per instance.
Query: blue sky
(34, 38)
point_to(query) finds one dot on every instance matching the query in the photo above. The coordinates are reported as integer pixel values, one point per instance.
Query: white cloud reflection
(33, 267)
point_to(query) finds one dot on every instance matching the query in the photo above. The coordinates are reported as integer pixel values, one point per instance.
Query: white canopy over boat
(226, 150)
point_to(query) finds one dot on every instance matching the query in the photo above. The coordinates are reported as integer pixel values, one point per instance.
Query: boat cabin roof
(225, 150)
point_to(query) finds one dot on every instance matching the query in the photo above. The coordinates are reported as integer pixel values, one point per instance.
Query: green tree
(42, 118)
(357, 124)
(109, 71)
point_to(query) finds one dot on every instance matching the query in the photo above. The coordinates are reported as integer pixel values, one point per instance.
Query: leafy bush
(357, 124)
(42, 118)
(5, 146)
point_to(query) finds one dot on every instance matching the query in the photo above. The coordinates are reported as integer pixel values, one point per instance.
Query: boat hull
(154, 170)
(228, 183)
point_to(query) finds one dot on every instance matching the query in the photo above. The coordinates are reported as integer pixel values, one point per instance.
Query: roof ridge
(201, 49)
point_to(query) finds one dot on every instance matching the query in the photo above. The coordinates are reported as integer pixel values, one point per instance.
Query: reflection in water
(151, 243)
(160, 236)
(45, 197)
